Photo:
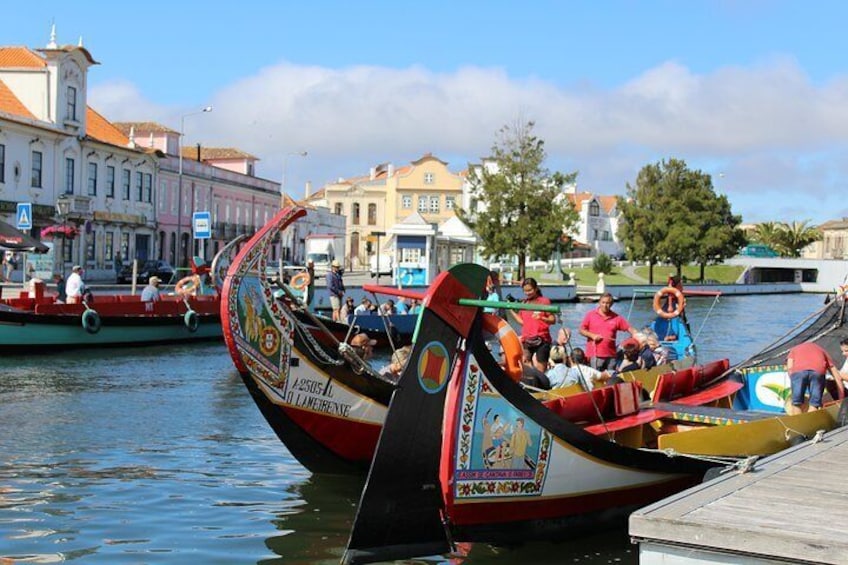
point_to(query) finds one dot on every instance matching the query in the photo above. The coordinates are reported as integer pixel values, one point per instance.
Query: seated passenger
(534, 374)
(399, 359)
(579, 371)
(646, 354)
(558, 374)
(628, 357)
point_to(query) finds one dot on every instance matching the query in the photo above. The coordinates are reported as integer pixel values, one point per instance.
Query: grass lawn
(716, 274)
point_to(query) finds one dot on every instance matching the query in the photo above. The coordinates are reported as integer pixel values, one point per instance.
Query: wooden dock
(791, 508)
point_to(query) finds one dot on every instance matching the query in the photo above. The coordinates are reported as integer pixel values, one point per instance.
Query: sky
(754, 93)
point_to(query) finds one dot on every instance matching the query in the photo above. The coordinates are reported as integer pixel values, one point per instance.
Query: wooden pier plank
(793, 506)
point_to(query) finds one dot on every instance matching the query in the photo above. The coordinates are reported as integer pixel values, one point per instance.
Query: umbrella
(64, 231)
(13, 239)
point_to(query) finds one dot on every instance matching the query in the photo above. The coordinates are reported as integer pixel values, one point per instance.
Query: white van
(385, 266)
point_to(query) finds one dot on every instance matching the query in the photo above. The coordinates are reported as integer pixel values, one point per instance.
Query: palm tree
(769, 233)
(796, 236)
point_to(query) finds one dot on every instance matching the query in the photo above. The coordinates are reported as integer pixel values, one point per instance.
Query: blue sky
(756, 90)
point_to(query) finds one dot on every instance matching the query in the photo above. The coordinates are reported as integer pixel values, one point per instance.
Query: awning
(65, 231)
(12, 239)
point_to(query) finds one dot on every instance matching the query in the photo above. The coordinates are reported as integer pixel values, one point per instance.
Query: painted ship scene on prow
(371, 295)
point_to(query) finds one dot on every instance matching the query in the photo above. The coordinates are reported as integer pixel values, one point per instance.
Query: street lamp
(283, 196)
(63, 208)
(180, 188)
(377, 268)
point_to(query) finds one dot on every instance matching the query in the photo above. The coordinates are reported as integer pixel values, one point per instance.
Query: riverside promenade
(789, 508)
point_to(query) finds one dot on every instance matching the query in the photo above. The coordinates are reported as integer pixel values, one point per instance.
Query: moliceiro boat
(478, 458)
(34, 321)
(324, 402)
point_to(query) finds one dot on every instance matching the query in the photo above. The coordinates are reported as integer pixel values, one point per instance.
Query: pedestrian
(61, 297)
(151, 291)
(600, 327)
(310, 287)
(74, 286)
(335, 285)
(535, 325)
(807, 364)
(119, 263)
(9, 265)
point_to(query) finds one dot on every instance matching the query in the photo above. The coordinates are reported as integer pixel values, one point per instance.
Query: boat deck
(792, 507)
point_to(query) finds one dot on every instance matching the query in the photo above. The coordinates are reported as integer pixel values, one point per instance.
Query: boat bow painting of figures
(480, 458)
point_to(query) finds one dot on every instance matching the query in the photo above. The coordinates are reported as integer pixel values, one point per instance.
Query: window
(72, 103)
(410, 255)
(69, 175)
(434, 204)
(92, 179)
(406, 202)
(90, 246)
(125, 183)
(428, 178)
(148, 187)
(139, 182)
(372, 214)
(36, 169)
(339, 209)
(594, 209)
(450, 202)
(422, 204)
(109, 251)
(356, 212)
(2, 163)
(606, 235)
(110, 184)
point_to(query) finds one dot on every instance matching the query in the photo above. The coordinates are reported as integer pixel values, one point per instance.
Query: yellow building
(386, 196)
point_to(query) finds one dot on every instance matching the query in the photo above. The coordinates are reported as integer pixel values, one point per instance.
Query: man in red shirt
(535, 326)
(807, 364)
(600, 327)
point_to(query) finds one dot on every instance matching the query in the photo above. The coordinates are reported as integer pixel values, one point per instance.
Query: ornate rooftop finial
(79, 43)
(52, 44)
(132, 137)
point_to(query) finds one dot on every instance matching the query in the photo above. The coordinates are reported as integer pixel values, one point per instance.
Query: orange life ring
(300, 281)
(188, 286)
(658, 305)
(510, 344)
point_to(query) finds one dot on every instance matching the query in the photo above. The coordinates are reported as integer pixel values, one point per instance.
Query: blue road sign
(202, 223)
(24, 216)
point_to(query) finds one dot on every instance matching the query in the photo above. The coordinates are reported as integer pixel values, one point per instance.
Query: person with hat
(74, 286)
(151, 291)
(335, 285)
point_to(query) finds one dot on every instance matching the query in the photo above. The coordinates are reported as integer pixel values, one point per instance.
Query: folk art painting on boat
(484, 460)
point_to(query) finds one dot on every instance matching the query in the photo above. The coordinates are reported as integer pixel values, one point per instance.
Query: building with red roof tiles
(128, 185)
(598, 222)
(385, 197)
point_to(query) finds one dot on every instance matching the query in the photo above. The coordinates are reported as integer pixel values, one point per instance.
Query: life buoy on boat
(300, 281)
(191, 321)
(91, 321)
(676, 295)
(188, 286)
(510, 344)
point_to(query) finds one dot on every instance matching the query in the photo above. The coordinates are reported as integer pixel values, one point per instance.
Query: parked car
(272, 270)
(147, 269)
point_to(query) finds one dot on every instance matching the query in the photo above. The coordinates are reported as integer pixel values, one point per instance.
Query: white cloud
(780, 138)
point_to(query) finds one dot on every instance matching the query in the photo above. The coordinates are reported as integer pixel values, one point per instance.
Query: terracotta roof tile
(10, 104)
(103, 130)
(215, 153)
(21, 57)
(608, 202)
(145, 127)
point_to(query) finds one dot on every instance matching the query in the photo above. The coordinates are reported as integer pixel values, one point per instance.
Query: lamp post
(378, 234)
(63, 207)
(180, 186)
(282, 198)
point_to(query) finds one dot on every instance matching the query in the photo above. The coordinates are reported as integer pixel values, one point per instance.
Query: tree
(602, 264)
(673, 214)
(524, 210)
(794, 237)
(768, 233)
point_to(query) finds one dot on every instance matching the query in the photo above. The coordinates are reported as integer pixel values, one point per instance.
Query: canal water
(158, 455)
